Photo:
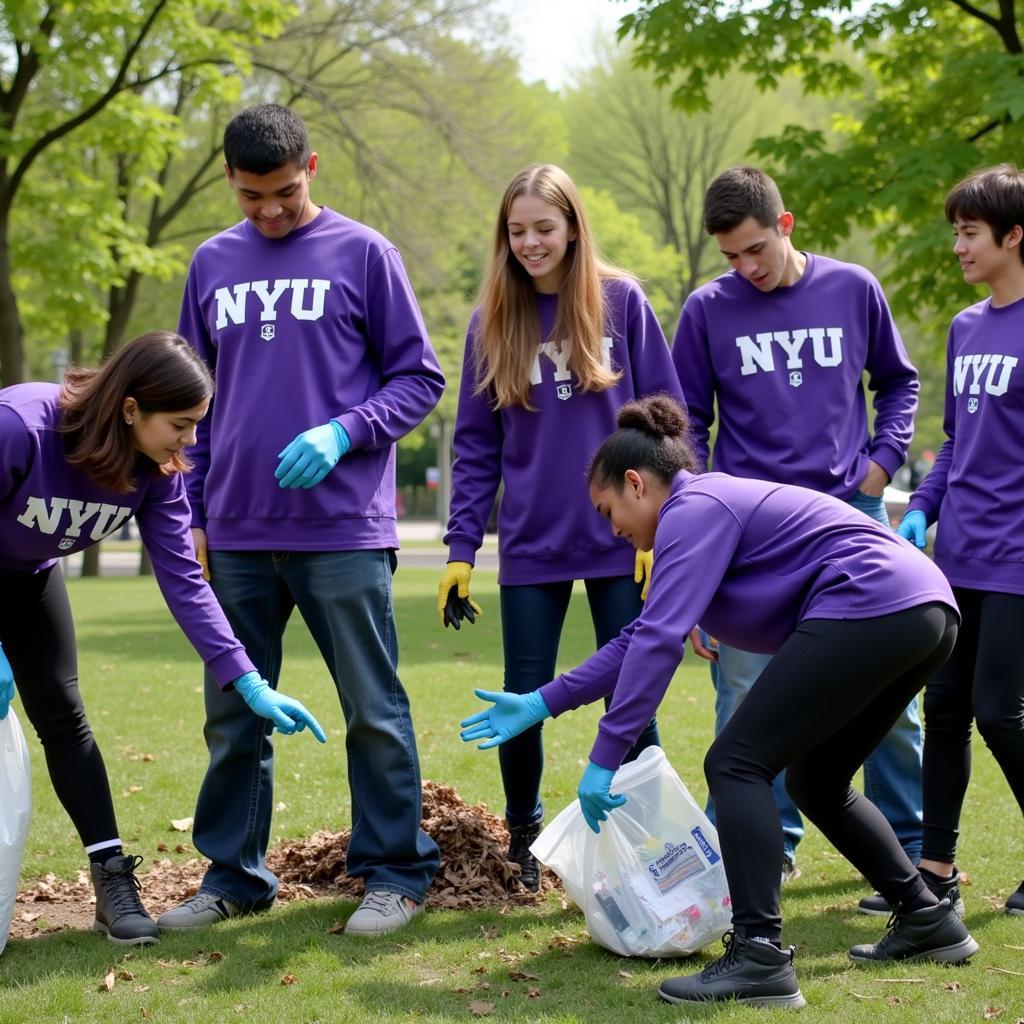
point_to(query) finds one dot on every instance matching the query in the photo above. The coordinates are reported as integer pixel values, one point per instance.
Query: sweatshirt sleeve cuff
(609, 751)
(356, 428)
(227, 667)
(557, 696)
(889, 458)
(462, 551)
(923, 506)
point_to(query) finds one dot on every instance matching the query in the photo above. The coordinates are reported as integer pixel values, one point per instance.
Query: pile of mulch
(473, 873)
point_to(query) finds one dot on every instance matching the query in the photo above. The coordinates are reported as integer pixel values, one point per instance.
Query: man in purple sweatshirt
(781, 343)
(322, 363)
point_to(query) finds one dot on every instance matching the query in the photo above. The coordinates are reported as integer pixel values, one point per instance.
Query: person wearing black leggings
(856, 620)
(976, 493)
(77, 460)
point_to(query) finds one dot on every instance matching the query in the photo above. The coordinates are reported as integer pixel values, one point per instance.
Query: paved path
(416, 535)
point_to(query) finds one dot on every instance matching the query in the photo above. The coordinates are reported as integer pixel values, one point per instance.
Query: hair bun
(658, 415)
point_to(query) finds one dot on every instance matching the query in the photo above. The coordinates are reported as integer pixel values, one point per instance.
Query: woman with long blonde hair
(560, 341)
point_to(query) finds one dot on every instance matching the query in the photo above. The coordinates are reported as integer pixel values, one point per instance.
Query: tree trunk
(145, 565)
(91, 561)
(13, 365)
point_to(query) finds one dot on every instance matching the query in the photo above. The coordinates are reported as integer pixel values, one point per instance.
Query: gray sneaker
(198, 911)
(382, 911)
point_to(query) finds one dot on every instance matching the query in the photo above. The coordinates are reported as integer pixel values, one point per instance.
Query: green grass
(143, 690)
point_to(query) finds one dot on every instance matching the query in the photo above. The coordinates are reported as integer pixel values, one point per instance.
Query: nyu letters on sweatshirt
(976, 487)
(786, 368)
(547, 528)
(748, 561)
(321, 324)
(50, 508)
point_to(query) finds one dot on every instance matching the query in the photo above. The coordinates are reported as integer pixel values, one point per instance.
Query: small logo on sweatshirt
(564, 391)
(796, 378)
(267, 332)
(972, 405)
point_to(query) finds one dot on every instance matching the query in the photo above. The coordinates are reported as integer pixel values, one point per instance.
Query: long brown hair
(161, 372)
(508, 330)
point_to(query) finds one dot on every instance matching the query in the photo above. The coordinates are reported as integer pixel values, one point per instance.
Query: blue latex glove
(6, 684)
(511, 714)
(596, 799)
(913, 526)
(287, 714)
(312, 455)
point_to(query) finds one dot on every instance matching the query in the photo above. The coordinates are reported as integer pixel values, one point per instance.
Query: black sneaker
(521, 839)
(945, 889)
(935, 933)
(120, 914)
(751, 972)
(1015, 903)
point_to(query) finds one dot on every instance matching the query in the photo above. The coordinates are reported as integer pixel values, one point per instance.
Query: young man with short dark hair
(781, 343)
(322, 363)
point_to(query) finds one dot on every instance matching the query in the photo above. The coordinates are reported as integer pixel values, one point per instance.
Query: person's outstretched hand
(287, 714)
(510, 715)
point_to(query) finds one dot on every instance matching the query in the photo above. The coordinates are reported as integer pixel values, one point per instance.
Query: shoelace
(378, 900)
(123, 888)
(728, 959)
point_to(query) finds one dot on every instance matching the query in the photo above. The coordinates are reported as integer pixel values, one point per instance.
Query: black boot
(1015, 903)
(120, 914)
(751, 972)
(935, 933)
(943, 888)
(521, 838)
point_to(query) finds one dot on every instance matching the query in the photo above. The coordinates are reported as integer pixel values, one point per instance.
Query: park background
(111, 114)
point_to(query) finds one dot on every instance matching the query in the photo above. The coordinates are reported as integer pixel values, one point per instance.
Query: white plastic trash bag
(652, 882)
(15, 810)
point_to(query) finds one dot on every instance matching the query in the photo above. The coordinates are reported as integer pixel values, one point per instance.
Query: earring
(127, 420)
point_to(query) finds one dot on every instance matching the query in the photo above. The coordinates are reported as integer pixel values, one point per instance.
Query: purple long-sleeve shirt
(547, 528)
(50, 508)
(748, 561)
(321, 324)
(976, 488)
(786, 369)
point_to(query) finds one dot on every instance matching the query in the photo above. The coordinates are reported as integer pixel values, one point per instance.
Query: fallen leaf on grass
(146, 1015)
(289, 979)
(952, 986)
(338, 928)
(479, 1009)
(899, 981)
(533, 993)
(490, 932)
(1006, 945)
(107, 985)
(991, 1012)
(161, 847)
(181, 824)
(28, 917)
(141, 988)
(857, 995)
(1003, 970)
(522, 976)
(624, 974)
(125, 976)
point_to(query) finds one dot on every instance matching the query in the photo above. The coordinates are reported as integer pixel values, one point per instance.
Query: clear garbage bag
(652, 883)
(15, 811)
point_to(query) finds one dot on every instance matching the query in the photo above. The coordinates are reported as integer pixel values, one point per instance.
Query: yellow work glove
(453, 601)
(642, 571)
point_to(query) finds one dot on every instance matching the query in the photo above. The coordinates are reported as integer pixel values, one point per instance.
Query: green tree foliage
(939, 87)
(64, 65)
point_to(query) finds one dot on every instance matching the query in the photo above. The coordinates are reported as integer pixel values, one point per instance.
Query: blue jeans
(345, 599)
(531, 626)
(892, 772)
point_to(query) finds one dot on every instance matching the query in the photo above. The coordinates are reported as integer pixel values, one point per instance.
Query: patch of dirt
(473, 873)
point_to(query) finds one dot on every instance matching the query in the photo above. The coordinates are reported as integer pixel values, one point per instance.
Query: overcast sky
(556, 36)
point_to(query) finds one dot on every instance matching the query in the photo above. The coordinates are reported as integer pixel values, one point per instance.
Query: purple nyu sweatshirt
(50, 508)
(976, 488)
(748, 561)
(786, 369)
(321, 324)
(547, 528)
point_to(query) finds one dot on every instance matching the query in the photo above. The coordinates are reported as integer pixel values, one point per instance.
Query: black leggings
(984, 681)
(825, 701)
(38, 637)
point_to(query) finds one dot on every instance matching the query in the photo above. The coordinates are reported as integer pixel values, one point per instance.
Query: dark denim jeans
(531, 625)
(345, 599)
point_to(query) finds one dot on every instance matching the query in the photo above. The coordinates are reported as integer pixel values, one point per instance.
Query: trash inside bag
(652, 883)
(15, 811)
